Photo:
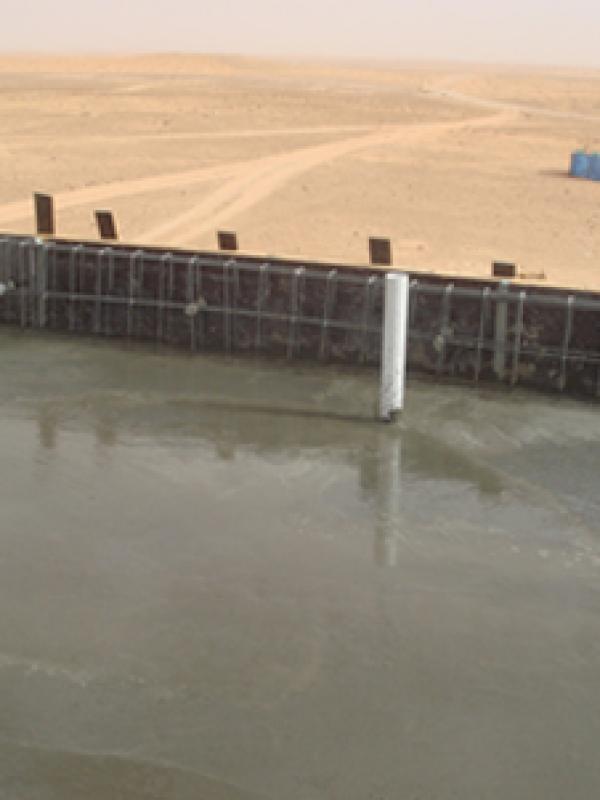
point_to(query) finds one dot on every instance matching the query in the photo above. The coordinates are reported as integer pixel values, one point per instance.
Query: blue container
(580, 164)
(594, 167)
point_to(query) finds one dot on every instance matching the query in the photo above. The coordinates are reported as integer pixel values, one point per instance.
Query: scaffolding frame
(220, 301)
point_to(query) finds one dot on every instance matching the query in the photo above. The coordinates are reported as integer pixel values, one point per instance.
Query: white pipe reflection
(388, 500)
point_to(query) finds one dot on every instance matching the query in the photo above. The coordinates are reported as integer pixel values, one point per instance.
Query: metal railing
(466, 329)
(508, 327)
(204, 301)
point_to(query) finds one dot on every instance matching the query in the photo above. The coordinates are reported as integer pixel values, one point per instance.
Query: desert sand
(458, 165)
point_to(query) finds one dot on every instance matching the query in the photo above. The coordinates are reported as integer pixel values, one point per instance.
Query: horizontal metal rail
(209, 261)
(503, 296)
(547, 352)
(143, 302)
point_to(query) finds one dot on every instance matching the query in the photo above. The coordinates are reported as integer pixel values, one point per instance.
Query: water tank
(580, 164)
(594, 167)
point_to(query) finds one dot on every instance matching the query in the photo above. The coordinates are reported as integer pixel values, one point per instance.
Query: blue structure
(585, 165)
(594, 167)
(579, 164)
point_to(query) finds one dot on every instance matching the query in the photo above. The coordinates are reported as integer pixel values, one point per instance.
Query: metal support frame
(500, 331)
(483, 321)
(569, 314)
(296, 298)
(262, 290)
(518, 335)
(367, 314)
(328, 303)
(445, 330)
(102, 289)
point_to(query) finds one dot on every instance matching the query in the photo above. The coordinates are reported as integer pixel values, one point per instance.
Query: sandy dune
(458, 166)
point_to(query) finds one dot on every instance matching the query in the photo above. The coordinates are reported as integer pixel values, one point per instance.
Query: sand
(457, 165)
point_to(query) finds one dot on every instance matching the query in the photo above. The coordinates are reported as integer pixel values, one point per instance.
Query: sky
(511, 31)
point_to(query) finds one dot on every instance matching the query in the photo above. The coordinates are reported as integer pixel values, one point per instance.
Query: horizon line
(422, 61)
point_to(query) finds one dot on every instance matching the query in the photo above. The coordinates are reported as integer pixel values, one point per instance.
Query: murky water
(205, 596)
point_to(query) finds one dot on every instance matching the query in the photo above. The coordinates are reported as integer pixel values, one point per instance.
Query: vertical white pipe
(395, 341)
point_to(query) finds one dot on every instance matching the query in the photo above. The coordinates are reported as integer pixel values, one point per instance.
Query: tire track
(258, 180)
(186, 136)
(18, 210)
(245, 183)
(502, 105)
(22, 209)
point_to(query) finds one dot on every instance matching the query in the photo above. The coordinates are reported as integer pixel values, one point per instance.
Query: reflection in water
(105, 428)
(225, 450)
(378, 465)
(388, 500)
(438, 461)
(197, 590)
(103, 424)
(47, 426)
(375, 451)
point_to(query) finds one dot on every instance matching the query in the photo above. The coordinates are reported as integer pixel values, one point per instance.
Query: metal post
(44, 214)
(483, 318)
(380, 252)
(133, 285)
(517, 339)
(328, 305)
(74, 259)
(7, 284)
(235, 298)
(444, 327)
(227, 240)
(366, 320)
(295, 309)
(395, 339)
(23, 283)
(98, 290)
(504, 269)
(190, 293)
(566, 342)
(105, 222)
(41, 282)
(160, 311)
(261, 296)
(198, 281)
(227, 304)
(500, 331)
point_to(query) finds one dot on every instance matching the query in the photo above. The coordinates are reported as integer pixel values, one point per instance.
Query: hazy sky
(543, 31)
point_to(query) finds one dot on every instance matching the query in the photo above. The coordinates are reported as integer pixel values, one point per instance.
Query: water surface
(220, 579)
